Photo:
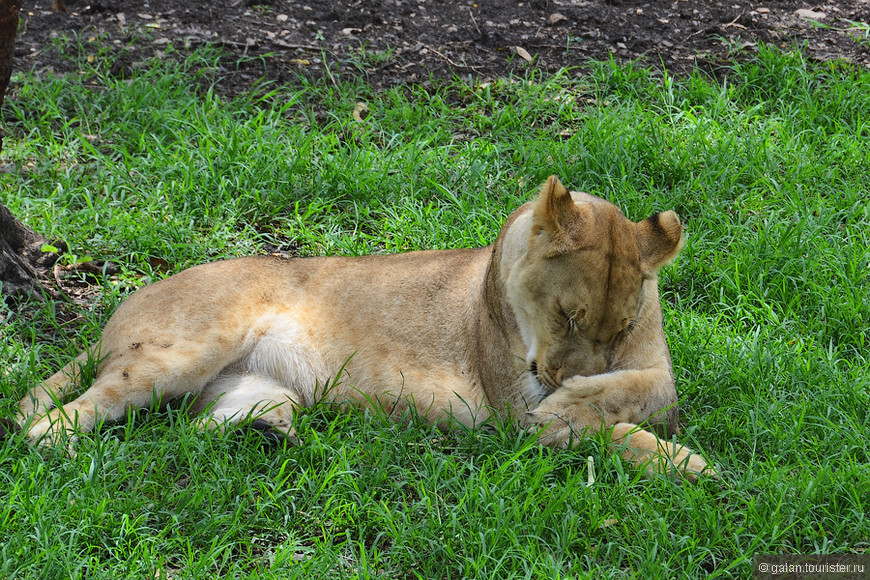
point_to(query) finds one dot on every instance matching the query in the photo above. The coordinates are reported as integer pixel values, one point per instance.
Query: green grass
(767, 312)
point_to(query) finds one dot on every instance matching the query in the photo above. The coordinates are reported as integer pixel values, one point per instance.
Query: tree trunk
(22, 259)
(8, 28)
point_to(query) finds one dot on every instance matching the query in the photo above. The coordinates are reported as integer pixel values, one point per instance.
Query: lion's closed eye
(572, 325)
(573, 319)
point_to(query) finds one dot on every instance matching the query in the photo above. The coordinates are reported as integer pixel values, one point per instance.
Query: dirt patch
(396, 41)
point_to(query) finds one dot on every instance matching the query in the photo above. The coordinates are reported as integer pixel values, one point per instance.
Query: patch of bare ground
(391, 42)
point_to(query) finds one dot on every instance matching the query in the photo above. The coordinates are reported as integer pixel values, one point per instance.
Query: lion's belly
(439, 396)
(316, 360)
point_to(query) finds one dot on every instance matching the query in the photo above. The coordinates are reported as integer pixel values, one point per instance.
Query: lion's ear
(659, 240)
(556, 214)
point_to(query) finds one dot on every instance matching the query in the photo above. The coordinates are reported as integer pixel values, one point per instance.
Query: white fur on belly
(283, 351)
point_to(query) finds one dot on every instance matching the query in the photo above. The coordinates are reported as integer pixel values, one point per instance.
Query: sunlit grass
(767, 312)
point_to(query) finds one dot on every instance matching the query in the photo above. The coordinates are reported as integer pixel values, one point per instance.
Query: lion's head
(578, 289)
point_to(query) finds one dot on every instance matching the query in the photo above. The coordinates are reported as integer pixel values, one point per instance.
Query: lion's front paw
(696, 466)
(644, 449)
(537, 420)
(560, 420)
(553, 429)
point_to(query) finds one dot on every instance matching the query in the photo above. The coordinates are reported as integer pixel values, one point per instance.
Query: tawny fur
(558, 325)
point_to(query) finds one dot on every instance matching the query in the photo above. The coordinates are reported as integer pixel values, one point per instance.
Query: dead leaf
(809, 14)
(349, 31)
(90, 271)
(299, 61)
(556, 18)
(122, 18)
(359, 110)
(523, 53)
(158, 264)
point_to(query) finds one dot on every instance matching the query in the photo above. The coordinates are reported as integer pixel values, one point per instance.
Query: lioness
(557, 324)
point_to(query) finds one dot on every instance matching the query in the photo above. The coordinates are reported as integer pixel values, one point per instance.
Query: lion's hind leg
(108, 399)
(128, 378)
(234, 397)
(46, 395)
